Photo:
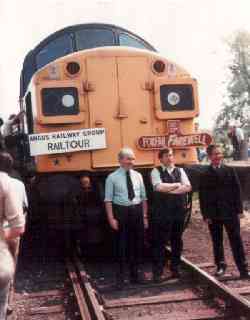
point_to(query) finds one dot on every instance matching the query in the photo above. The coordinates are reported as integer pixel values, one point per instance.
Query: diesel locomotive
(89, 90)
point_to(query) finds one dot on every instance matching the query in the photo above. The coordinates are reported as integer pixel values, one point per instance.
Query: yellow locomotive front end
(89, 104)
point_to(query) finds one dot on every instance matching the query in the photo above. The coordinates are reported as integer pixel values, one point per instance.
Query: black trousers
(129, 239)
(164, 230)
(236, 153)
(232, 226)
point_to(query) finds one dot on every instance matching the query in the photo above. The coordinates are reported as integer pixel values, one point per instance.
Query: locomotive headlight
(176, 97)
(60, 101)
(173, 98)
(68, 101)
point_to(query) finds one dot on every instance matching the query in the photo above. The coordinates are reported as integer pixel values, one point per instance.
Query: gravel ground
(33, 278)
(46, 276)
(197, 248)
(103, 276)
(197, 241)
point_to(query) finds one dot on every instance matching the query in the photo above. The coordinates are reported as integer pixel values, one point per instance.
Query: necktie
(131, 192)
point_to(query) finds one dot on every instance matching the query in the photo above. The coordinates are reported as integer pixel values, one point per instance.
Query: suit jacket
(220, 193)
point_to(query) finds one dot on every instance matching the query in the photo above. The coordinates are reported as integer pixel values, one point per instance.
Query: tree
(237, 103)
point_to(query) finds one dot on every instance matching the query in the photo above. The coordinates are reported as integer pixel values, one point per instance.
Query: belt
(129, 207)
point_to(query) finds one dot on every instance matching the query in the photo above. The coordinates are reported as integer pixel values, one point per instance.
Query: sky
(191, 33)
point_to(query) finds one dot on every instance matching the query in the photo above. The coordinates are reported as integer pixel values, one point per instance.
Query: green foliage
(221, 138)
(237, 101)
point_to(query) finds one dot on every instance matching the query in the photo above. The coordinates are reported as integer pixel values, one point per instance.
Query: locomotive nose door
(134, 104)
(118, 102)
(103, 104)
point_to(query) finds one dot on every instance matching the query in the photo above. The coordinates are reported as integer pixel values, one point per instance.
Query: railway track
(197, 296)
(43, 291)
(89, 306)
(235, 304)
(56, 288)
(70, 289)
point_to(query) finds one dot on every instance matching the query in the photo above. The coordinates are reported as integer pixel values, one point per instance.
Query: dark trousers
(129, 239)
(163, 231)
(236, 153)
(232, 226)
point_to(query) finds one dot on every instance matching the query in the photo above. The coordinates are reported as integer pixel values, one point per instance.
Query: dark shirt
(88, 198)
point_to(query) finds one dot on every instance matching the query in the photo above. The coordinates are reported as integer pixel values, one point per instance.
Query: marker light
(159, 66)
(73, 68)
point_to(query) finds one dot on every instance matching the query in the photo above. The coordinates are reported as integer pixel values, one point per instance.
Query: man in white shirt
(127, 213)
(237, 137)
(20, 191)
(170, 185)
(12, 225)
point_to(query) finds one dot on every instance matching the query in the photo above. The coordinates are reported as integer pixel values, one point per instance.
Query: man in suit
(221, 207)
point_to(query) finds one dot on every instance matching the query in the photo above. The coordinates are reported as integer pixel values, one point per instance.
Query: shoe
(175, 274)
(159, 278)
(9, 310)
(137, 280)
(220, 272)
(120, 284)
(136, 277)
(133, 274)
(245, 275)
(120, 281)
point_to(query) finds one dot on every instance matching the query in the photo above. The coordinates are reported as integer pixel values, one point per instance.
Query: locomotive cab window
(57, 48)
(128, 41)
(93, 38)
(59, 101)
(176, 97)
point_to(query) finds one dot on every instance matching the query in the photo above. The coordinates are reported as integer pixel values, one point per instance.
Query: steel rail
(242, 306)
(81, 301)
(95, 307)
